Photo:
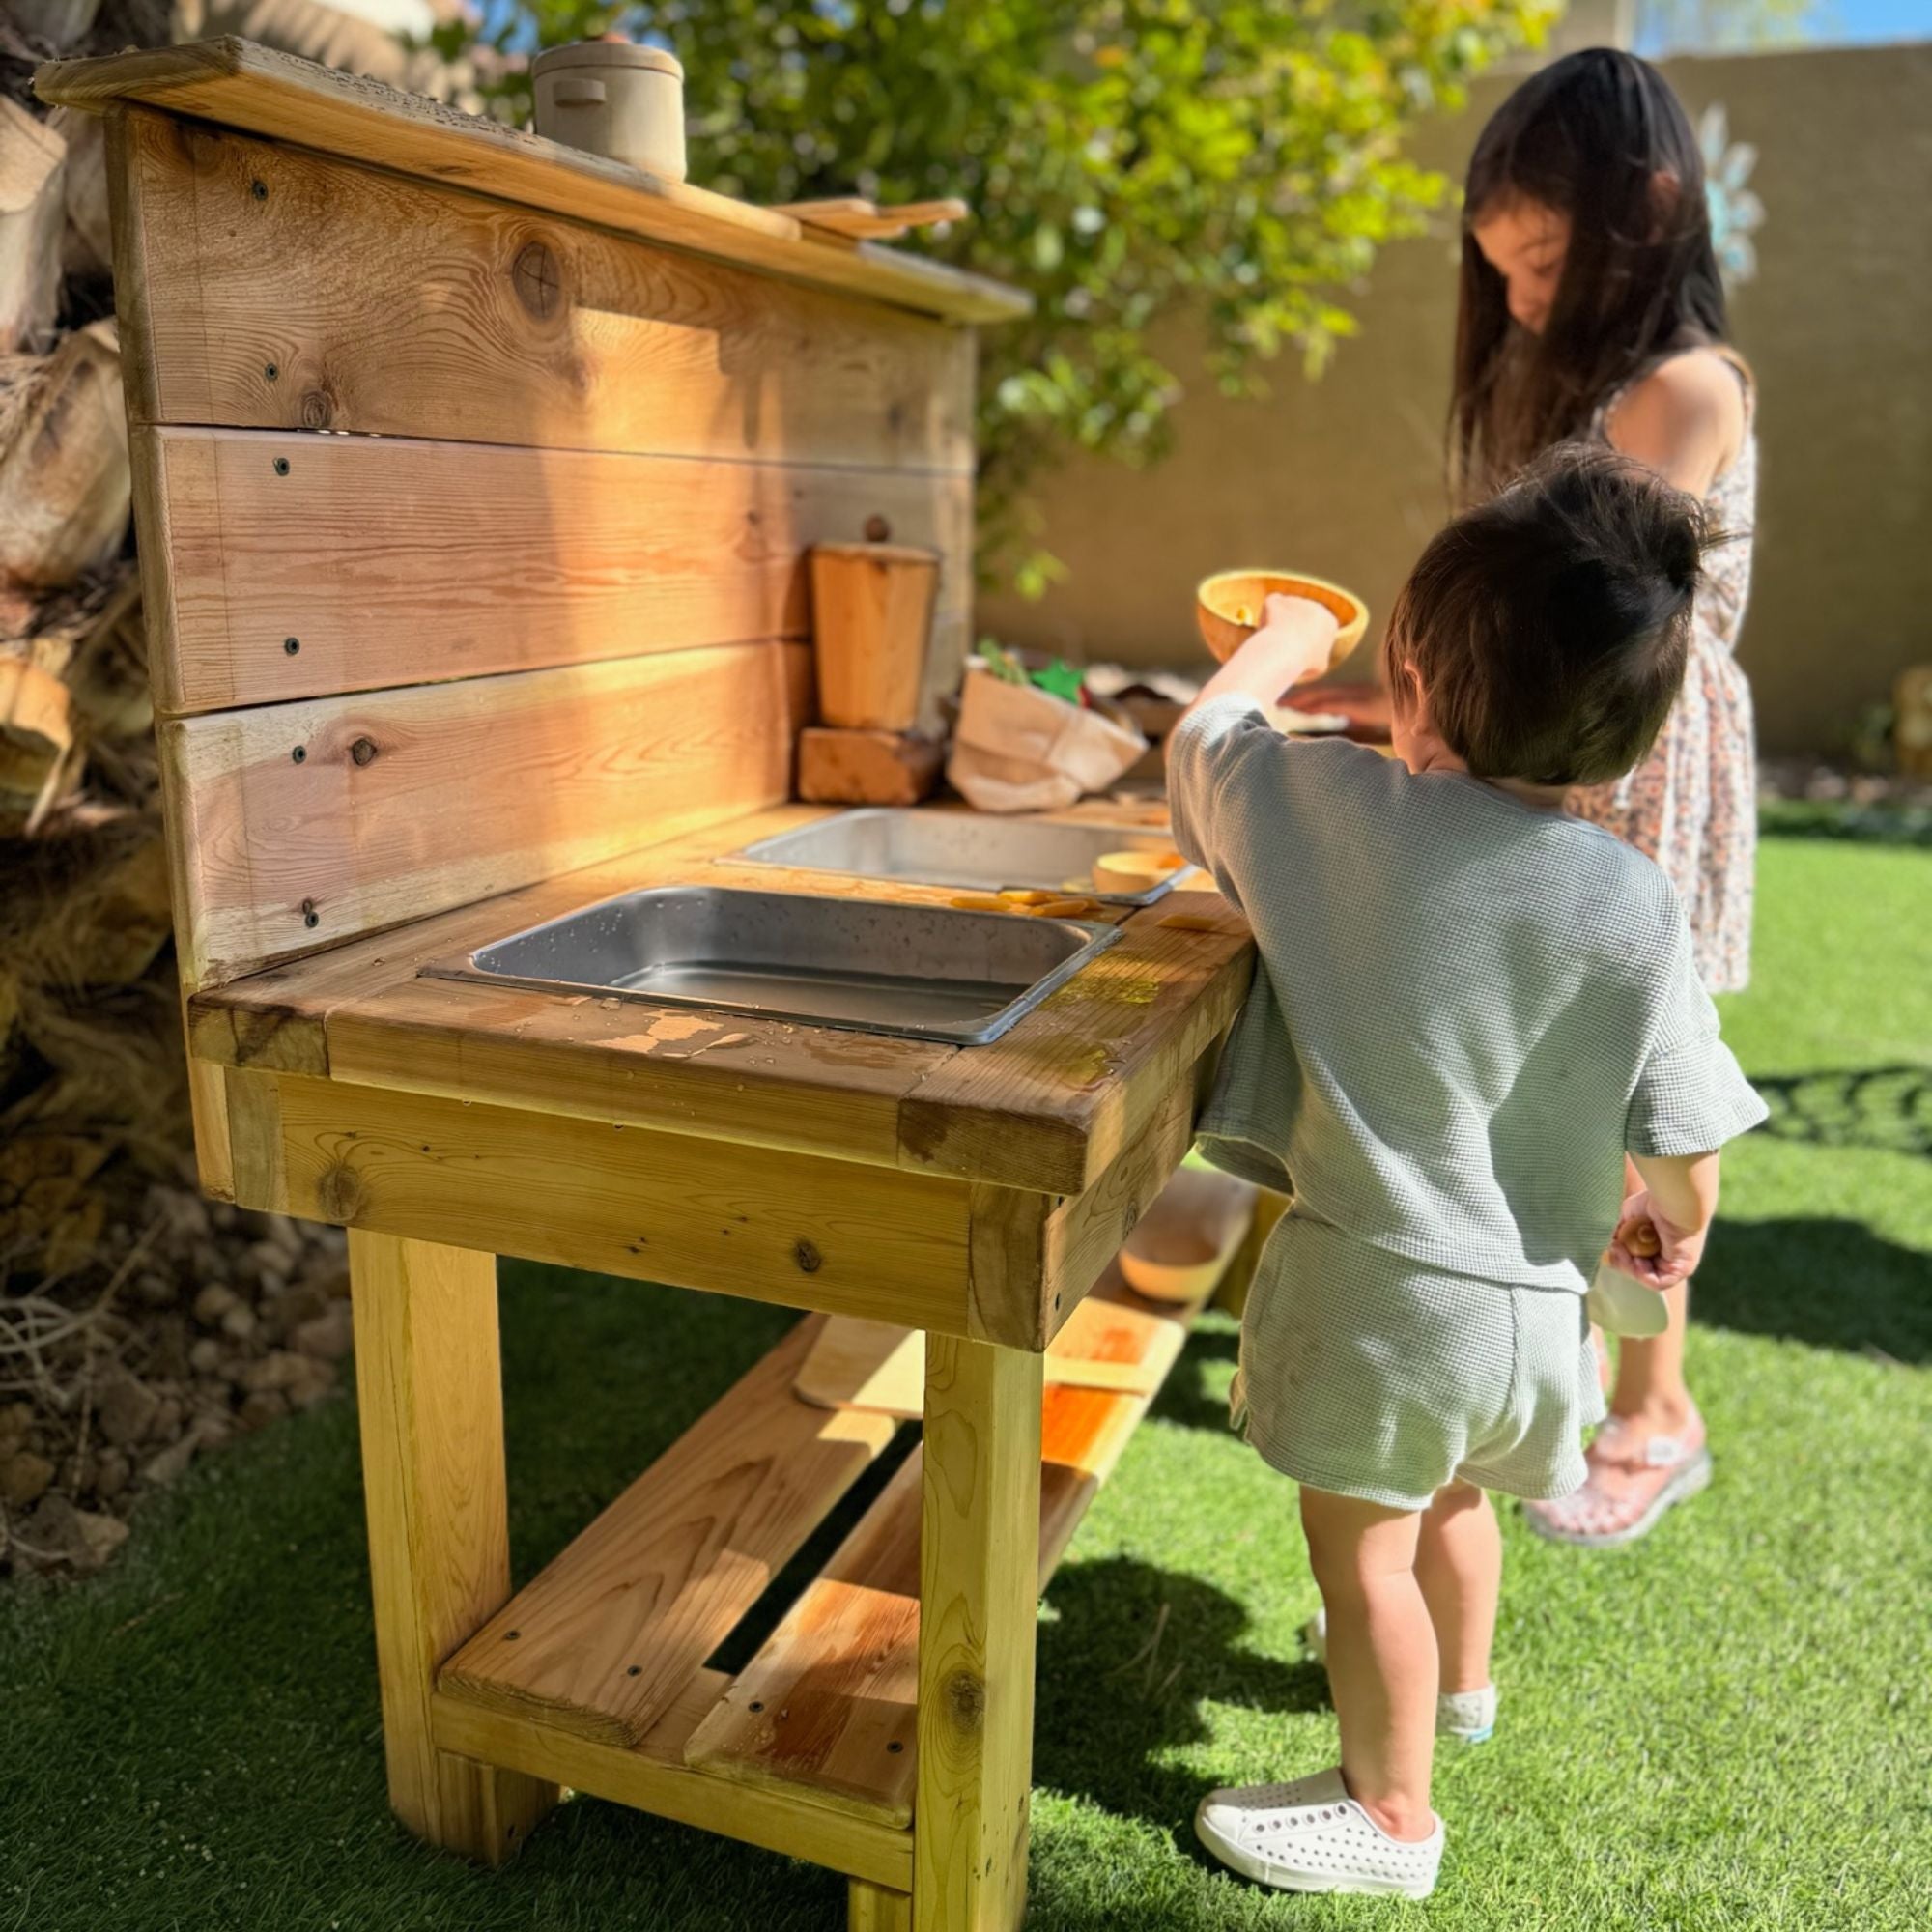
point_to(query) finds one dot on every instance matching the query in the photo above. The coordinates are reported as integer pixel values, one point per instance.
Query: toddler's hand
(1675, 1251)
(1306, 620)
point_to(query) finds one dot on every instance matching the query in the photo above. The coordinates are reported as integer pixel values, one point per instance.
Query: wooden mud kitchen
(474, 481)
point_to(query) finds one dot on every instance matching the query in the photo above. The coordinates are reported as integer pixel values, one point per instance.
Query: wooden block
(390, 561)
(390, 305)
(297, 826)
(978, 1581)
(854, 767)
(852, 217)
(237, 84)
(836, 1235)
(605, 1638)
(429, 1394)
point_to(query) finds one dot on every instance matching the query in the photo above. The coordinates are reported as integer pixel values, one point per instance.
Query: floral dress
(1692, 804)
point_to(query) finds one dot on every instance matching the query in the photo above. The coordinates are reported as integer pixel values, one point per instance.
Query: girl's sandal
(1628, 1488)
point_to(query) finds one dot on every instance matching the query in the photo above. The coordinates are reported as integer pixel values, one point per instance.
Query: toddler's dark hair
(1550, 626)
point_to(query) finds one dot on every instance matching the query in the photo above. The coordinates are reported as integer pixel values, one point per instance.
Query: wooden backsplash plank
(361, 811)
(281, 289)
(300, 565)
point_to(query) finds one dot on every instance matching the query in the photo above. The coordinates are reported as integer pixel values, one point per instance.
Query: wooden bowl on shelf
(1227, 608)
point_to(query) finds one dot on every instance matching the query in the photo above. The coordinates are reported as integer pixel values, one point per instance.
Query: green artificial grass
(1729, 1725)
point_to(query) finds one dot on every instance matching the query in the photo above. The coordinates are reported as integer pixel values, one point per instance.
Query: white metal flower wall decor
(1736, 212)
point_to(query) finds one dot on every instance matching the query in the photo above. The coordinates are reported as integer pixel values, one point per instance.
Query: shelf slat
(826, 1708)
(607, 1638)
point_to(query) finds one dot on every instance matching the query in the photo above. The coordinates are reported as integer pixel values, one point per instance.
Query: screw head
(270, 370)
(281, 465)
(311, 919)
(896, 1747)
(259, 189)
(299, 754)
(757, 1704)
(510, 1636)
(292, 645)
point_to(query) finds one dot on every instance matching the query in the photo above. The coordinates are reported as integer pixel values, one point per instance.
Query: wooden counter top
(235, 83)
(1048, 1108)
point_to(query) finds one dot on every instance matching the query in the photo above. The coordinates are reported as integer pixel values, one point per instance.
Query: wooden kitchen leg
(429, 1385)
(872, 1907)
(979, 1593)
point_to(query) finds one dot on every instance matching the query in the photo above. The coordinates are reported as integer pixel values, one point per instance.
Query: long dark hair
(1590, 135)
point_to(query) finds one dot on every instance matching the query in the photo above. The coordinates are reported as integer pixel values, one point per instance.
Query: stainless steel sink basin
(928, 972)
(961, 848)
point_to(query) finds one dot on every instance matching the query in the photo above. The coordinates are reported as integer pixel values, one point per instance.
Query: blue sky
(1882, 21)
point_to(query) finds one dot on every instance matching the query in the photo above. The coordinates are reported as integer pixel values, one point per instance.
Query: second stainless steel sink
(961, 848)
(928, 972)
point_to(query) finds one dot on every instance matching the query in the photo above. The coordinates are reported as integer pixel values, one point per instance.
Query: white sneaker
(1312, 1836)
(1467, 1716)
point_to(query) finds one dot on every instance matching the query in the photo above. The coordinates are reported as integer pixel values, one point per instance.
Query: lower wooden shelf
(594, 1674)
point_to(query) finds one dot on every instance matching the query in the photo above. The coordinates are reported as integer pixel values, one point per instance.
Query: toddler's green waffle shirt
(1466, 1012)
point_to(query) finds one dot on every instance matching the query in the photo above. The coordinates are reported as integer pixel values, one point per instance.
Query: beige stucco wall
(1342, 476)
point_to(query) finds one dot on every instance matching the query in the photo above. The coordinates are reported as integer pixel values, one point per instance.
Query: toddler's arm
(1678, 1198)
(1296, 640)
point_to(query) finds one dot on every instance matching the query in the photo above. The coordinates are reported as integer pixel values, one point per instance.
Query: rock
(330, 1335)
(210, 1261)
(111, 1474)
(124, 1409)
(186, 1214)
(276, 1370)
(205, 1357)
(15, 1419)
(165, 1468)
(317, 1380)
(334, 1280)
(167, 1422)
(101, 1536)
(240, 1321)
(25, 1478)
(155, 1290)
(167, 1357)
(261, 1407)
(273, 1283)
(52, 1532)
(214, 1302)
(222, 1215)
(302, 1302)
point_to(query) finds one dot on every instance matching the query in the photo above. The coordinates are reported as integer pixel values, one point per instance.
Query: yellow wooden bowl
(1227, 608)
(1134, 871)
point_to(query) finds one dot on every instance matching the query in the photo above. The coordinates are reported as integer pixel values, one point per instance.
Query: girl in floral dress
(1591, 305)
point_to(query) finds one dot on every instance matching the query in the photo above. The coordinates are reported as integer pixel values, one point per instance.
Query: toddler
(1469, 1007)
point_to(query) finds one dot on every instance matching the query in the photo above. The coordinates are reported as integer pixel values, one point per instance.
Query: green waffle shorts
(1371, 1376)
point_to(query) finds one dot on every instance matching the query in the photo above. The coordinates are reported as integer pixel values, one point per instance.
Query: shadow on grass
(1880, 823)
(1888, 1107)
(1126, 1658)
(1826, 1282)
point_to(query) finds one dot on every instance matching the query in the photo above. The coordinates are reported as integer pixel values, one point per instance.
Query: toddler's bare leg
(1381, 1655)
(1458, 1563)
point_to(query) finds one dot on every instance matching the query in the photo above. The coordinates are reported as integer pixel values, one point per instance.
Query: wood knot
(966, 1700)
(537, 279)
(317, 408)
(878, 530)
(362, 751)
(808, 1257)
(338, 1192)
